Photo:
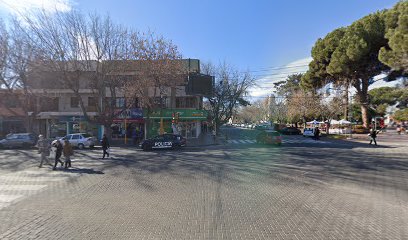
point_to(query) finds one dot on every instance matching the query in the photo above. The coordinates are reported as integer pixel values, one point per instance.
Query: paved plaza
(301, 190)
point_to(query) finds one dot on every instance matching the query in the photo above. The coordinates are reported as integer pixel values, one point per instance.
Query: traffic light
(173, 118)
(177, 117)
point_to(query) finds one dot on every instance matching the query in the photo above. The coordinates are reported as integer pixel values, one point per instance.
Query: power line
(278, 68)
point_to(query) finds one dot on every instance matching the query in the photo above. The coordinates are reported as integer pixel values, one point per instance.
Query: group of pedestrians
(44, 148)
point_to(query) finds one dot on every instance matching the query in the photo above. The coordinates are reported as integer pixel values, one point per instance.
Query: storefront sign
(71, 118)
(130, 114)
(183, 114)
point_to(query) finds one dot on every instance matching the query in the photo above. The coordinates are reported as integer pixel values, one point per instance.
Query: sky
(269, 38)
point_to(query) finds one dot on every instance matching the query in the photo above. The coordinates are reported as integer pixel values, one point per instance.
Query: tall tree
(231, 87)
(350, 56)
(289, 86)
(395, 54)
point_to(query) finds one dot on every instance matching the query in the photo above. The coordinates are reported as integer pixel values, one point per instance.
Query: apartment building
(59, 112)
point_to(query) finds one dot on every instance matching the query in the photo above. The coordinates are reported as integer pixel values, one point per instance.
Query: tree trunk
(346, 104)
(364, 101)
(364, 115)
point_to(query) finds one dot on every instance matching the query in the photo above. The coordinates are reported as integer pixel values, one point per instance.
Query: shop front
(128, 124)
(58, 124)
(186, 122)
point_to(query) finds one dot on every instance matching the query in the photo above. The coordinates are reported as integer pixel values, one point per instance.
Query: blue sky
(251, 35)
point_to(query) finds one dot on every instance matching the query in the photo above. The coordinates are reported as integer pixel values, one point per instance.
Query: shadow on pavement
(82, 170)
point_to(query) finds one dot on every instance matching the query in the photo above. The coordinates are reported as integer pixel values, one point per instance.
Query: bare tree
(278, 109)
(91, 52)
(303, 106)
(16, 55)
(231, 87)
(254, 113)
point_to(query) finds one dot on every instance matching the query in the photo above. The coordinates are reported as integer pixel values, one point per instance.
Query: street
(304, 189)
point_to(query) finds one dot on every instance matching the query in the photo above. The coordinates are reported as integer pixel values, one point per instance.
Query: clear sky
(251, 35)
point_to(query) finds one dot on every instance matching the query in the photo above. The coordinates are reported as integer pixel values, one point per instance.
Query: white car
(80, 140)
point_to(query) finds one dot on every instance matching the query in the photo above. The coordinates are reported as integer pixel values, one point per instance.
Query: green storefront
(189, 123)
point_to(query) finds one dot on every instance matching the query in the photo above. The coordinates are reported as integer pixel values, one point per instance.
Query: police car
(165, 141)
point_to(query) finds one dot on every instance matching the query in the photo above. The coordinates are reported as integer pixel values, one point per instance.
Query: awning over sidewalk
(48, 115)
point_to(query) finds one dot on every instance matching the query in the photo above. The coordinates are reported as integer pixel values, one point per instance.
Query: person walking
(43, 149)
(58, 152)
(68, 152)
(105, 146)
(134, 136)
(373, 135)
(316, 133)
(399, 130)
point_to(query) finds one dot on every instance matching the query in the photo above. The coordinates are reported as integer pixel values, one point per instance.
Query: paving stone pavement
(288, 141)
(251, 192)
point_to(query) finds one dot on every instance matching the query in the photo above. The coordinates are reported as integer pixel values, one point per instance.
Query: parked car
(165, 141)
(308, 132)
(19, 140)
(290, 131)
(80, 140)
(262, 127)
(269, 137)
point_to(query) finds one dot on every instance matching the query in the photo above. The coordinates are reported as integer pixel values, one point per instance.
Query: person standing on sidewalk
(68, 152)
(105, 146)
(43, 149)
(373, 135)
(58, 153)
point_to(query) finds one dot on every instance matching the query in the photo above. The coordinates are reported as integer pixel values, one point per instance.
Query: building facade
(59, 112)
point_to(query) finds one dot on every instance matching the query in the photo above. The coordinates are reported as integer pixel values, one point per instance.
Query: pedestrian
(134, 136)
(373, 135)
(43, 149)
(68, 152)
(316, 133)
(105, 146)
(58, 152)
(399, 130)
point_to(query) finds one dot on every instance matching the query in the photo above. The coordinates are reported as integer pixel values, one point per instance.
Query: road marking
(9, 198)
(21, 187)
(32, 179)
(292, 141)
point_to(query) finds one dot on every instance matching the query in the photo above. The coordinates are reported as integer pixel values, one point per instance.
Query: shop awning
(48, 115)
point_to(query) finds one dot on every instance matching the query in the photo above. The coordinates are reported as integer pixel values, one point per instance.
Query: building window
(48, 104)
(11, 102)
(92, 102)
(162, 102)
(136, 103)
(120, 103)
(186, 102)
(74, 102)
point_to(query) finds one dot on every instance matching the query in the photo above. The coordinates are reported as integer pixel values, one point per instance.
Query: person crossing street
(373, 135)
(58, 152)
(44, 149)
(105, 146)
(68, 152)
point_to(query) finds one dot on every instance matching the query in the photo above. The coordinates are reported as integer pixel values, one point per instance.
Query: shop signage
(183, 113)
(71, 118)
(132, 113)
